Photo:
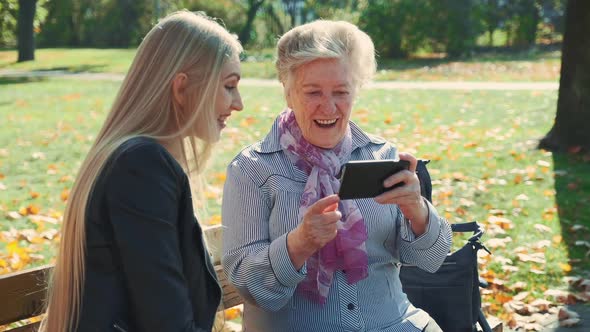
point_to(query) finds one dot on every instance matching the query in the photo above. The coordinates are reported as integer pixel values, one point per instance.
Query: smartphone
(364, 178)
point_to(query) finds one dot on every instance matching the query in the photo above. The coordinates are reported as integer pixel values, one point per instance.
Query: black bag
(450, 295)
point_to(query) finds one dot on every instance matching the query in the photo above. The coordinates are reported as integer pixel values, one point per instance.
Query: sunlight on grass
(484, 166)
(72, 60)
(525, 66)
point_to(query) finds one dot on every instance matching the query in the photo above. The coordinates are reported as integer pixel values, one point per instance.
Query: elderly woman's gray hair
(326, 40)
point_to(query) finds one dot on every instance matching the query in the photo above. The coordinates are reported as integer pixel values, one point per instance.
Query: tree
(275, 19)
(338, 10)
(26, 33)
(246, 32)
(293, 9)
(551, 18)
(8, 14)
(229, 12)
(458, 26)
(62, 26)
(387, 24)
(570, 130)
(122, 22)
(492, 14)
(523, 23)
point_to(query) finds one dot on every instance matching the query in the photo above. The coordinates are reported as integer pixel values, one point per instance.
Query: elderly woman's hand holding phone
(408, 196)
(388, 182)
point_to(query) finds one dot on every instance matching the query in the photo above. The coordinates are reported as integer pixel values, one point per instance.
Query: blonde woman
(132, 256)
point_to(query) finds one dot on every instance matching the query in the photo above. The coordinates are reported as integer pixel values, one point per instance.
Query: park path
(386, 85)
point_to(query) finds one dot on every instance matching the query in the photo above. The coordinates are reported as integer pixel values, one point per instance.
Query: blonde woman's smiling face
(321, 96)
(228, 97)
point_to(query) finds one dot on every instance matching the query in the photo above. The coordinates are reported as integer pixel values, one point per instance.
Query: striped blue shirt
(260, 206)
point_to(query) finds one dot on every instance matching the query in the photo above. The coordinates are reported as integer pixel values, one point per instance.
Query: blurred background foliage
(399, 28)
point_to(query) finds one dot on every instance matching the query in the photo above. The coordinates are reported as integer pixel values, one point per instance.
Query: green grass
(71, 60)
(523, 66)
(481, 143)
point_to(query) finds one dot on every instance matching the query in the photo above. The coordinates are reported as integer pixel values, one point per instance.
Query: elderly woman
(303, 259)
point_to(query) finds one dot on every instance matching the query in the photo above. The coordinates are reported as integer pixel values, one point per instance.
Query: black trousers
(432, 326)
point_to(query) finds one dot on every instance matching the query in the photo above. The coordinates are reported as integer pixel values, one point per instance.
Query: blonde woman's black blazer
(147, 268)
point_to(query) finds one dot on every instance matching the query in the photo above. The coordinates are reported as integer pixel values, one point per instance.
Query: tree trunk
(25, 33)
(460, 38)
(245, 33)
(571, 129)
(491, 19)
(527, 19)
(275, 19)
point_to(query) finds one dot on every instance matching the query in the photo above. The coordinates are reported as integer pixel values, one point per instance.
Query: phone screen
(364, 178)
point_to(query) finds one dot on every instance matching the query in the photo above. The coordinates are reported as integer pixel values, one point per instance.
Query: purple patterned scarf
(347, 250)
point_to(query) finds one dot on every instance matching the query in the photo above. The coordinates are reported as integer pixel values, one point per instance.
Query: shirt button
(351, 306)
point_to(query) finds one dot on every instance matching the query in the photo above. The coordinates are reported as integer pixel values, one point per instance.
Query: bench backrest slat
(34, 327)
(22, 294)
(231, 297)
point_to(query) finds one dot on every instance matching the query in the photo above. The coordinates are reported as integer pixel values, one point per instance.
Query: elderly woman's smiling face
(321, 96)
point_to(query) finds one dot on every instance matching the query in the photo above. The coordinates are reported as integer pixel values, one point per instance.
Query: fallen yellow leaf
(55, 214)
(65, 194)
(33, 209)
(71, 97)
(247, 122)
(232, 313)
(23, 211)
(215, 220)
(220, 177)
(470, 145)
(65, 178)
(210, 194)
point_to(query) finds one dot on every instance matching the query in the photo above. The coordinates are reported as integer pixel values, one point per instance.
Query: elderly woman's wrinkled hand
(408, 196)
(317, 228)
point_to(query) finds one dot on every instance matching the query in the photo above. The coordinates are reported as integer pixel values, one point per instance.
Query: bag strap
(425, 180)
(472, 226)
(426, 192)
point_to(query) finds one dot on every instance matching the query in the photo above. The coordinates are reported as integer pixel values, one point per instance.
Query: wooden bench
(22, 294)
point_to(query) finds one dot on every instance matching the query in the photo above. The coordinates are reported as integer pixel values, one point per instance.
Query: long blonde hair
(182, 42)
